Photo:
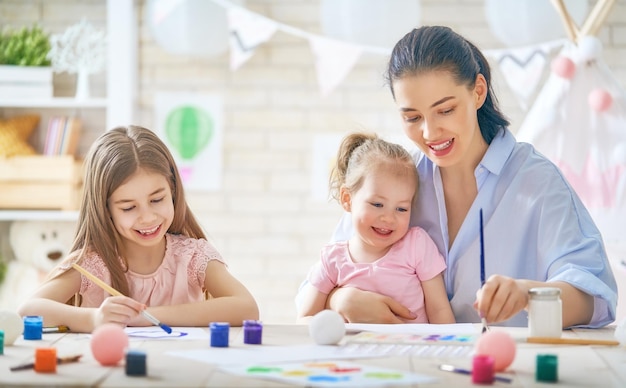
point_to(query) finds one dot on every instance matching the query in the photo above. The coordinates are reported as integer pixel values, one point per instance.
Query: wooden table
(580, 366)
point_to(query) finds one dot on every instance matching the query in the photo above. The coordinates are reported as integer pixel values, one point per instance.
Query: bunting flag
(333, 61)
(523, 68)
(247, 31)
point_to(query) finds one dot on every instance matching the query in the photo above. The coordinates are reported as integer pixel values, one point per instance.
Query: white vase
(82, 85)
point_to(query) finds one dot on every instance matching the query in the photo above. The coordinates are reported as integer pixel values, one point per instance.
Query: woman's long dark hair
(438, 48)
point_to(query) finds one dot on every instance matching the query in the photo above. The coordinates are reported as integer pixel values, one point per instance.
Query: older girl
(137, 233)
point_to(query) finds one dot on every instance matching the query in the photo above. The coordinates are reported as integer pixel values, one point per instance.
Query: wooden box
(40, 182)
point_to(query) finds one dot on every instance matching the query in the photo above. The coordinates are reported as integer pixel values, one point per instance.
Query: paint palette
(331, 374)
(428, 345)
(413, 339)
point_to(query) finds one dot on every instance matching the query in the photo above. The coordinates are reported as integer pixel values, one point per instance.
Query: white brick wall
(264, 221)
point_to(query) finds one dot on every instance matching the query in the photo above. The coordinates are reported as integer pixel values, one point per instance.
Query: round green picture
(189, 130)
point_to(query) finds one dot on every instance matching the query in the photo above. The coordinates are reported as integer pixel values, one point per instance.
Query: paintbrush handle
(62, 360)
(570, 341)
(115, 292)
(96, 280)
(150, 318)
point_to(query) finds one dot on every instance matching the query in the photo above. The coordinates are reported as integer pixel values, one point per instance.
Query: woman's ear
(480, 90)
(345, 199)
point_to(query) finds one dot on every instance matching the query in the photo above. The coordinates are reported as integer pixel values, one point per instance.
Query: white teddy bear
(38, 246)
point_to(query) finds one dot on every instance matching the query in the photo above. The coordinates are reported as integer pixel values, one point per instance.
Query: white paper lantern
(189, 27)
(378, 23)
(525, 22)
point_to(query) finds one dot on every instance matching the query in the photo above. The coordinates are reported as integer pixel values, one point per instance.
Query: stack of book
(62, 135)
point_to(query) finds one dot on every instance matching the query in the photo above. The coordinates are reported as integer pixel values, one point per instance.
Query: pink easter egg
(499, 345)
(108, 344)
(600, 100)
(563, 67)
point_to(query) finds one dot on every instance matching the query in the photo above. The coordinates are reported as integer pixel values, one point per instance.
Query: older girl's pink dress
(179, 279)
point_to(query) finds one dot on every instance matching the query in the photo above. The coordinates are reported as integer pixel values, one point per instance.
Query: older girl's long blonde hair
(111, 160)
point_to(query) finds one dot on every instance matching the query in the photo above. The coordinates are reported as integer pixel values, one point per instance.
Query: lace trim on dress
(92, 263)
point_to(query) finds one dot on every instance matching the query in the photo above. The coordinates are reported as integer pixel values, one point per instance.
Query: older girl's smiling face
(440, 116)
(142, 209)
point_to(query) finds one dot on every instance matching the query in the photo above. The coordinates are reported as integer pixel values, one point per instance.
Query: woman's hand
(501, 297)
(358, 306)
(119, 310)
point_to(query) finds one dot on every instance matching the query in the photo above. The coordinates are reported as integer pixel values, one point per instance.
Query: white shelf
(41, 215)
(55, 102)
(121, 87)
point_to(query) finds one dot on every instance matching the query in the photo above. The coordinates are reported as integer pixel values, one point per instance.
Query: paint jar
(547, 368)
(135, 363)
(483, 369)
(219, 334)
(45, 360)
(545, 317)
(252, 332)
(33, 327)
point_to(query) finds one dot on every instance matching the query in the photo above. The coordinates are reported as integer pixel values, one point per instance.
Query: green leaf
(24, 47)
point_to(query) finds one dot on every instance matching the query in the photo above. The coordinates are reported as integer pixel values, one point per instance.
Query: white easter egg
(327, 327)
(12, 325)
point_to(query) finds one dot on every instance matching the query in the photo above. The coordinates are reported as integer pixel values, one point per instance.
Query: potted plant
(80, 50)
(25, 69)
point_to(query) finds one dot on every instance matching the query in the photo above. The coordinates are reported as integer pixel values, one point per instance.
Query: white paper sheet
(178, 333)
(342, 374)
(265, 354)
(413, 328)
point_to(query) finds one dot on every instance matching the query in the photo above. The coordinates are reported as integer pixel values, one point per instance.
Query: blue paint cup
(219, 334)
(33, 327)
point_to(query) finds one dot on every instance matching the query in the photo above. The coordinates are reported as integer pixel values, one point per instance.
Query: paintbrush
(60, 360)
(452, 368)
(115, 292)
(55, 329)
(570, 341)
(482, 265)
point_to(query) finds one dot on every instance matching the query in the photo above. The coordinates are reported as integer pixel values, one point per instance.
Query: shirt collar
(498, 153)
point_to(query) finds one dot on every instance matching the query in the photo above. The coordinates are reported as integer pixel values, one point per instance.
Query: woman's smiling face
(440, 116)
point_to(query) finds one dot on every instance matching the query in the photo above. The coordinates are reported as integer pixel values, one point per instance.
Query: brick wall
(264, 220)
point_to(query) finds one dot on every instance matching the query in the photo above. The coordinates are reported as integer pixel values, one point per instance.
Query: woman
(537, 232)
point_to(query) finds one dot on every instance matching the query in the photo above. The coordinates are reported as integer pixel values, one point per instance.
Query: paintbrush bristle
(167, 329)
(66, 360)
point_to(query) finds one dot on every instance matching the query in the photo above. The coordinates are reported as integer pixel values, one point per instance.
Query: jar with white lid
(545, 315)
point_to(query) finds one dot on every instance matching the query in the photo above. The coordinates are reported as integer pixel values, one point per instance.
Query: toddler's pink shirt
(179, 279)
(398, 274)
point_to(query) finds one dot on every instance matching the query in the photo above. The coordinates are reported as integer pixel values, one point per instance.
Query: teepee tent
(578, 121)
